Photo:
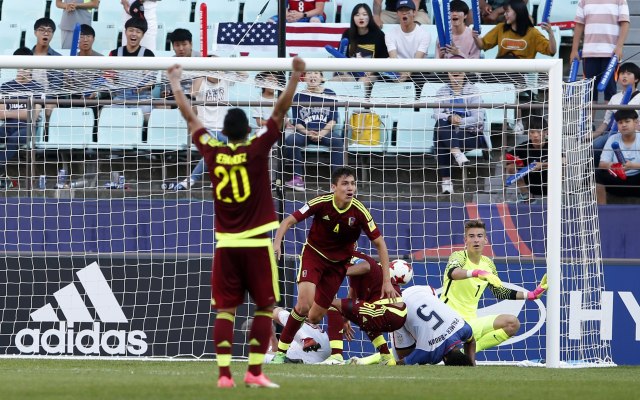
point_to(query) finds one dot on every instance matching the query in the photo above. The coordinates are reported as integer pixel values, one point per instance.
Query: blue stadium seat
(347, 7)
(252, 8)
(69, 128)
(220, 11)
(414, 133)
(167, 131)
(10, 35)
(120, 128)
(106, 36)
(178, 10)
(18, 12)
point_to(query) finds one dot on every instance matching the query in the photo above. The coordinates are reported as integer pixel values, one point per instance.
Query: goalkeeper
(466, 277)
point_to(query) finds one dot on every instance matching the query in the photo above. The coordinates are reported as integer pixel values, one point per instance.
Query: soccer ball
(401, 271)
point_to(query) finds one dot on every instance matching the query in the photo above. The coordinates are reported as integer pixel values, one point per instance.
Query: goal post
(403, 207)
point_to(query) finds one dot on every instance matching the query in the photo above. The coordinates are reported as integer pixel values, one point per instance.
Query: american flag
(236, 36)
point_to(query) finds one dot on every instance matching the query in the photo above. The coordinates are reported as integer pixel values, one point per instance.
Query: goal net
(108, 230)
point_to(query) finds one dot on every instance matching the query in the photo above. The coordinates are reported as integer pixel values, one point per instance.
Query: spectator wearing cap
(390, 16)
(74, 12)
(144, 9)
(616, 177)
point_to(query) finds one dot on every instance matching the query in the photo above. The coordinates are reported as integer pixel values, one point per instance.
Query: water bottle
(62, 179)
(42, 182)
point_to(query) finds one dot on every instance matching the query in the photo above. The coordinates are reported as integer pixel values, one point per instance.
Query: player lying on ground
(433, 332)
(244, 215)
(367, 309)
(339, 218)
(467, 275)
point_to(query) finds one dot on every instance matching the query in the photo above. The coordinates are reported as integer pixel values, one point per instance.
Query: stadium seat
(180, 10)
(347, 89)
(120, 128)
(253, 8)
(69, 128)
(110, 11)
(106, 36)
(16, 11)
(10, 35)
(220, 11)
(7, 74)
(495, 95)
(347, 7)
(330, 9)
(414, 133)
(429, 91)
(392, 93)
(167, 131)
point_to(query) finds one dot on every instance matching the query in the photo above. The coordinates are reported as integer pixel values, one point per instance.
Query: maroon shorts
(237, 270)
(372, 317)
(326, 275)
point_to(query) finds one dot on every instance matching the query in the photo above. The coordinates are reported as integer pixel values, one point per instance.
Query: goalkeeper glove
(485, 276)
(542, 287)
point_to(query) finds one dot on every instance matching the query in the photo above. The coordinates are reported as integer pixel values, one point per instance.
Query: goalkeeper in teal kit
(467, 275)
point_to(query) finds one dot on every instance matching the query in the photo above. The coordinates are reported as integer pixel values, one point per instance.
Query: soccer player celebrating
(244, 214)
(367, 309)
(338, 221)
(433, 332)
(466, 277)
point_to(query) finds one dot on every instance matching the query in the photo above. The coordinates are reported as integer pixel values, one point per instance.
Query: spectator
(143, 9)
(134, 85)
(457, 127)
(182, 43)
(304, 11)
(314, 124)
(390, 16)
(614, 181)
(628, 76)
(17, 117)
(492, 11)
(44, 29)
(268, 95)
(366, 40)
(408, 40)
(87, 37)
(605, 25)
(534, 150)
(74, 12)
(464, 44)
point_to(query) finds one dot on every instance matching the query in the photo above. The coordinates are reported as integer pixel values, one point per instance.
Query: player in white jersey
(433, 332)
(310, 344)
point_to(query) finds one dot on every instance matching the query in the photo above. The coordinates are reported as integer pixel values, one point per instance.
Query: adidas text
(88, 341)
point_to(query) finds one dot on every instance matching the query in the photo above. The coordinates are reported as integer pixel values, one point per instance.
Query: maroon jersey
(368, 287)
(334, 232)
(241, 182)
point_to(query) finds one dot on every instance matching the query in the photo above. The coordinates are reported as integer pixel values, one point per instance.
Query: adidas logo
(65, 340)
(326, 217)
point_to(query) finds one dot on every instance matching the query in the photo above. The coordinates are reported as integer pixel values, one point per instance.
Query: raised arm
(284, 101)
(377, 10)
(174, 73)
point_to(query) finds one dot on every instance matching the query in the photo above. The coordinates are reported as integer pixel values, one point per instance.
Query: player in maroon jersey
(339, 218)
(366, 308)
(244, 214)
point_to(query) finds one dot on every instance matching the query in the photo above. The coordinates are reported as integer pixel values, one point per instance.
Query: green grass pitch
(158, 380)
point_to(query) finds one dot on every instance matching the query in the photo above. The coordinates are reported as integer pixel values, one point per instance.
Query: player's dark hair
(180, 35)
(236, 124)
(632, 68)
(87, 30)
(138, 23)
(23, 51)
(459, 6)
(537, 123)
(523, 19)
(46, 22)
(625, 114)
(457, 358)
(340, 172)
(474, 223)
(353, 29)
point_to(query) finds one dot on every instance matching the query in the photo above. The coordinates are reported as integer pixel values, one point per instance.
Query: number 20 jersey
(241, 181)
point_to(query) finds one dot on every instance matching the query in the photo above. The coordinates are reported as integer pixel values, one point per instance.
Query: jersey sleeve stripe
(320, 199)
(363, 209)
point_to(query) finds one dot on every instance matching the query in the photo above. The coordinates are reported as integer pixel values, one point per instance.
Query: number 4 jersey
(241, 182)
(432, 326)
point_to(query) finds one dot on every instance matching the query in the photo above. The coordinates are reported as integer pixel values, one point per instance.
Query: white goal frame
(552, 67)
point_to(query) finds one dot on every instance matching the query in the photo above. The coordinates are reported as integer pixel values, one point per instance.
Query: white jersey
(307, 331)
(216, 95)
(432, 326)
